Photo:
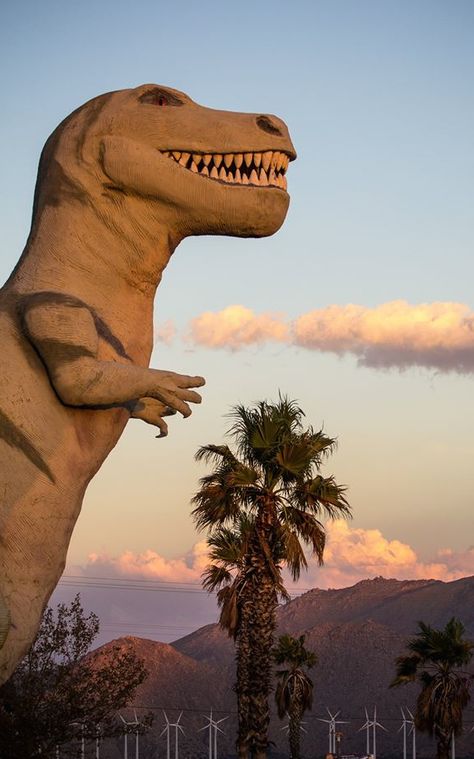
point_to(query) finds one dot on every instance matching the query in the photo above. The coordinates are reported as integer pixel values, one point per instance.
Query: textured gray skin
(76, 314)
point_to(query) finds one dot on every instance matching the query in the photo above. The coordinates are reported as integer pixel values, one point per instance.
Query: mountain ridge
(357, 632)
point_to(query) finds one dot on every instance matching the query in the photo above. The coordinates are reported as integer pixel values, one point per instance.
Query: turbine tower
(408, 728)
(167, 729)
(332, 722)
(368, 726)
(132, 726)
(213, 727)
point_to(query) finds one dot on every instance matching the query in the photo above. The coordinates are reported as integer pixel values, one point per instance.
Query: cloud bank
(351, 554)
(397, 334)
(169, 611)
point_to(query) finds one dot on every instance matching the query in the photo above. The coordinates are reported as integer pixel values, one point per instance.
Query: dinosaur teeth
(258, 169)
(266, 159)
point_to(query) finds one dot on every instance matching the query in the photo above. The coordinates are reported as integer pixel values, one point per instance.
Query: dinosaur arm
(66, 338)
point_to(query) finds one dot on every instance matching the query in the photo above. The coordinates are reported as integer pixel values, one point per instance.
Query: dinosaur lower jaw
(257, 169)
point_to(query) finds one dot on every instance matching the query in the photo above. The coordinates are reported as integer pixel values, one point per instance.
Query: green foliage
(276, 480)
(58, 684)
(434, 659)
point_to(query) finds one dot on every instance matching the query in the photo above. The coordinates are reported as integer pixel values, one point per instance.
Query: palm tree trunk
(261, 641)
(443, 746)
(295, 716)
(242, 685)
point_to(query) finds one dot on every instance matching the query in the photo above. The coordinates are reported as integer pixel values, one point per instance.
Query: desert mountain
(357, 633)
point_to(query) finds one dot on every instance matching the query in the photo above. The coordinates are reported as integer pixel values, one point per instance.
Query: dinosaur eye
(160, 98)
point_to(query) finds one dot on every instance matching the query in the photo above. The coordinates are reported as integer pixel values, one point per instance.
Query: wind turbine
(332, 722)
(135, 724)
(405, 724)
(302, 726)
(371, 724)
(167, 730)
(213, 727)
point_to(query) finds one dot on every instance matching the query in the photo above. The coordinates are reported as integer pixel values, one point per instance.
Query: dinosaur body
(121, 182)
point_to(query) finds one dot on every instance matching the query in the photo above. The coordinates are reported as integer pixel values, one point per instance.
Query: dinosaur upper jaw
(255, 169)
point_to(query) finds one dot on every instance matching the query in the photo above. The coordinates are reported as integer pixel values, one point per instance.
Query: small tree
(434, 660)
(294, 691)
(58, 687)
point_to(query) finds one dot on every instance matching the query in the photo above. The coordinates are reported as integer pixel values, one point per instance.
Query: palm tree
(273, 481)
(434, 660)
(229, 574)
(294, 692)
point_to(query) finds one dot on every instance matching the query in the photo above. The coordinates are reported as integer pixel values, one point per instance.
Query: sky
(361, 307)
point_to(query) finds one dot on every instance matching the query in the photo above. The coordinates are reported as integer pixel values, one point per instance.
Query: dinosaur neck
(101, 254)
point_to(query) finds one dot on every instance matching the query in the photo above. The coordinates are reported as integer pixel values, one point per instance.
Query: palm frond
(322, 495)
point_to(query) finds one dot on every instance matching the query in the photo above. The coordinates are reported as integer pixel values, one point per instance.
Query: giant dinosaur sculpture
(121, 182)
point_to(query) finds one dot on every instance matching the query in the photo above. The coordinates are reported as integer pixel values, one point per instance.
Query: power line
(161, 586)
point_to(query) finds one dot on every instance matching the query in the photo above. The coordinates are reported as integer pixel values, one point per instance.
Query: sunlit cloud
(397, 334)
(150, 565)
(351, 554)
(236, 327)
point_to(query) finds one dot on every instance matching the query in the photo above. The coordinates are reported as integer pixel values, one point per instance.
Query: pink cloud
(353, 554)
(150, 565)
(397, 334)
(236, 327)
(137, 595)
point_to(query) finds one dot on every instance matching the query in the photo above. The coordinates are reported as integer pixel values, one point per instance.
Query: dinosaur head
(205, 170)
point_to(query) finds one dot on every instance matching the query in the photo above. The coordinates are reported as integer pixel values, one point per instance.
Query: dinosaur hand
(173, 390)
(152, 411)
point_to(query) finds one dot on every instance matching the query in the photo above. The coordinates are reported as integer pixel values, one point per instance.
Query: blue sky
(378, 99)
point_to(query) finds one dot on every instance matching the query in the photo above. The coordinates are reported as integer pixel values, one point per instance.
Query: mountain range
(356, 632)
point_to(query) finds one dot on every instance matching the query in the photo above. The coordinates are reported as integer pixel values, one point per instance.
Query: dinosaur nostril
(267, 125)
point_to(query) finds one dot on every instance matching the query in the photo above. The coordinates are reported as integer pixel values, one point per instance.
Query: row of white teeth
(262, 169)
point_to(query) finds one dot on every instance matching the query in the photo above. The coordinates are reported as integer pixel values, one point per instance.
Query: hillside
(357, 633)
